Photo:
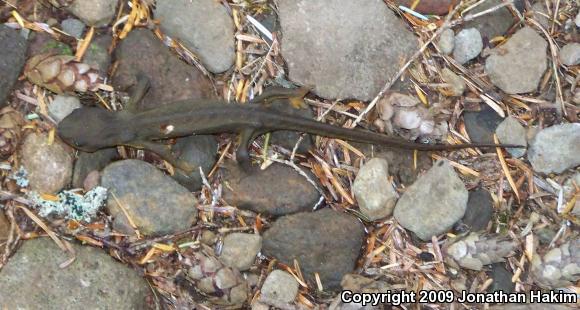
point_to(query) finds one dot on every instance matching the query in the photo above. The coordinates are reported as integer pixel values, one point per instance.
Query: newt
(91, 128)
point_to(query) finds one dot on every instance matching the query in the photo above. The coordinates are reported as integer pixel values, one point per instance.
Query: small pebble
(49, 166)
(433, 203)
(570, 54)
(280, 286)
(446, 41)
(468, 44)
(62, 106)
(73, 26)
(456, 83)
(510, 131)
(97, 13)
(555, 149)
(373, 190)
(240, 250)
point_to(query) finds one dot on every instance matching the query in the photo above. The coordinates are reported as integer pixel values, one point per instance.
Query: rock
(171, 78)
(468, 45)
(555, 149)
(479, 210)
(373, 190)
(481, 125)
(240, 250)
(43, 43)
(97, 55)
(577, 20)
(493, 24)
(456, 83)
(433, 203)
(570, 54)
(280, 286)
(539, 13)
(12, 59)
(502, 279)
(518, 65)
(432, 7)
(510, 131)
(359, 284)
(361, 61)
(473, 251)
(89, 162)
(32, 279)
(155, 202)
(278, 190)
(559, 267)
(73, 26)
(287, 139)
(208, 237)
(4, 230)
(97, 13)
(49, 167)
(62, 106)
(198, 151)
(446, 42)
(205, 27)
(326, 242)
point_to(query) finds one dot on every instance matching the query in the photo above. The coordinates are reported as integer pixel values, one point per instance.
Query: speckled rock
(62, 106)
(276, 191)
(518, 65)
(204, 26)
(555, 149)
(510, 131)
(32, 279)
(433, 203)
(239, 250)
(171, 78)
(446, 42)
(326, 242)
(373, 190)
(361, 61)
(280, 286)
(155, 202)
(570, 54)
(49, 167)
(468, 45)
(97, 13)
(12, 58)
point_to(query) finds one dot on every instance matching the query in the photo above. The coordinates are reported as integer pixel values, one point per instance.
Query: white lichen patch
(71, 205)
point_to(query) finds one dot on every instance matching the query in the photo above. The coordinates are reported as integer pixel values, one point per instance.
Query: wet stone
(479, 210)
(198, 151)
(327, 242)
(12, 59)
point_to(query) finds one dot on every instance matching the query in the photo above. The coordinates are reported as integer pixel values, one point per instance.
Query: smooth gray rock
(204, 27)
(327, 242)
(239, 250)
(373, 191)
(433, 203)
(73, 26)
(97, 13)
(12, 59)
(49, 167)
(510, 131)
(366, 40)
(155, 202)
(555, 149)
(280, 286)
(468, 45)
(539, 13)
(198, 151)
(570, 54)
(446, 41)
(62, 106)
(482, 124)
(517, 66)
(502, 279)
(32, 279)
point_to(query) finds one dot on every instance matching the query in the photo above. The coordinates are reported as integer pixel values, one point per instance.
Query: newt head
(90, 129)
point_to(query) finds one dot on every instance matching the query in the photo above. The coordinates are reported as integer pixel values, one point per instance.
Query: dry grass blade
(126, 213)
(506, 169)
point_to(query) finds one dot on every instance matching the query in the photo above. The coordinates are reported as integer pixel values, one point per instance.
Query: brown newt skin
(90, 128)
